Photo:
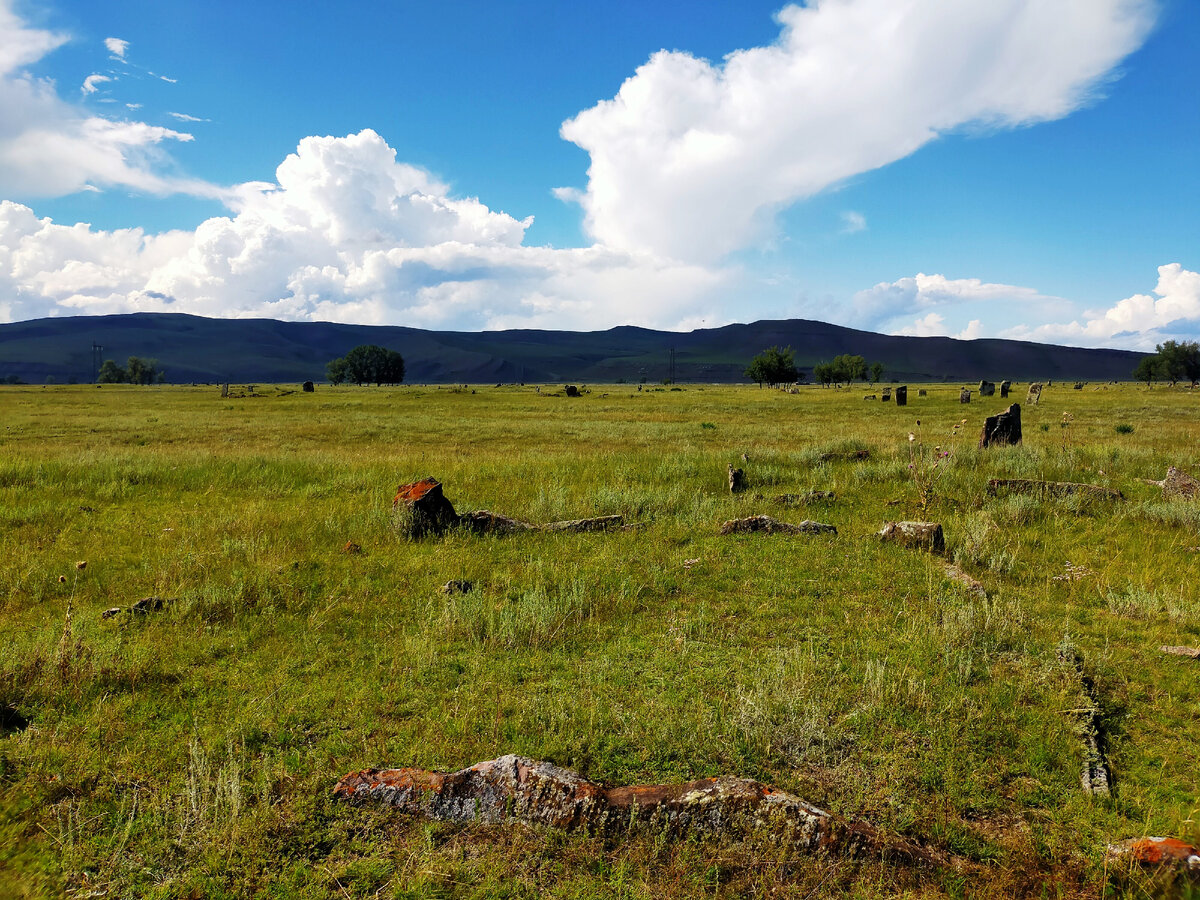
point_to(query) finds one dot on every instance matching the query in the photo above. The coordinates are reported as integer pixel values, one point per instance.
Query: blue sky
(1002, 168)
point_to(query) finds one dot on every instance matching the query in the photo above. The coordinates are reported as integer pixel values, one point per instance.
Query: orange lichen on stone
(411, 493)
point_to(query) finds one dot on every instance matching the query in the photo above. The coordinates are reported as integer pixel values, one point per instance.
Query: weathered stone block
(1002, 429)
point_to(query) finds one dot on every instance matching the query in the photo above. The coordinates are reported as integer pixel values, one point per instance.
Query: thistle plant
(926, 466)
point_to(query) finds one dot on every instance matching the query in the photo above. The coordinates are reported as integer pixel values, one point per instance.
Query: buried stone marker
(1002, 429)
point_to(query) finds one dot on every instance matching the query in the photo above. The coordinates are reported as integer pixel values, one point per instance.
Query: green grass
(191, 752)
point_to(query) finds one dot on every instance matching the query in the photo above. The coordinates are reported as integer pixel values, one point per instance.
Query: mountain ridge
(199, 349)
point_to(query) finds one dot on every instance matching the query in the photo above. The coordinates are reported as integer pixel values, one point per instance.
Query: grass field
(190, 752)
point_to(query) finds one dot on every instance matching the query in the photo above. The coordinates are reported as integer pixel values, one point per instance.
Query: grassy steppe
(191, 752)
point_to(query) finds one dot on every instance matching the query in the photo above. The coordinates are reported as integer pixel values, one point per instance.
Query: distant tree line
(845, 369)
(135, 371)
(1172, 361)
(367, 364)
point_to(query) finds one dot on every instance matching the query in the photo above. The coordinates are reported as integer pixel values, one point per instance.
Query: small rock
(308, 387)
(112, 611)
(351, 548)
(580, 526)
(1189, 652)
(921, 392)
(915, 535)
(483, 521)
(148, 604)
(458, 586)
(957, 575)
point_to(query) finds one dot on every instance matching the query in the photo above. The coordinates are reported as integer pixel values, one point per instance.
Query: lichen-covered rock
(483, 521)
(580, 526)
(1179, 484)
(803, 499)
(426, 507)
(1003, 429)
(513, 789)
(987, 389)
(1157, 851)
(1034, 394)
(964, 396)
(1005, 387)
(915, 535)
(957, 575)
(771, 526)
(1189, 652)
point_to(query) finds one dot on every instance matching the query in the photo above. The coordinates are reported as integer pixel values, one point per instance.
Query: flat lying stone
(1157, 851)
(596, 523)
(483, 521)
(1189, 652)
(915, 535)
(957, 575)
(1050, 488)
(513, 789)
(771, 526)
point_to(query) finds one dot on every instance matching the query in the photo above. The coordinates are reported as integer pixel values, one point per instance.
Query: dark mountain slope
(191, 348)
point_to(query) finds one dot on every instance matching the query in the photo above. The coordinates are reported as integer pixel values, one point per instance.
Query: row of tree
(778, 366)
(1172, 361)
(135, 371)
(366, 364)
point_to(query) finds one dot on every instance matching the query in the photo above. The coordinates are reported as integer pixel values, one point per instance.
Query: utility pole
(97, 351)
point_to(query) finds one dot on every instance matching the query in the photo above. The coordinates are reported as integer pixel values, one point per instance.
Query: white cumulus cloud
(346, 233)
(1138, 322)
(692, 160)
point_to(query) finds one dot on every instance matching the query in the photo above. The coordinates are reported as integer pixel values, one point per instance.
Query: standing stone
(887, 394)
(964, 396)
(737, 480)
(308, 387)
(921, 392)
(987, 389)
(571, 391)
(429, 510)
(1035, 393)
(902, 395)
(1005, 387)
(1002, 429)
(1079, 385)
(224, 391)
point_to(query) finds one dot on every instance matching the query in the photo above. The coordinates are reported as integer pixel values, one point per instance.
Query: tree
(111, 373)
(1147, 369)
(1179, 360)
(367, 363)
(773, 366)
(823, 372)
(143, 371)
(876, 372)
(848, 368)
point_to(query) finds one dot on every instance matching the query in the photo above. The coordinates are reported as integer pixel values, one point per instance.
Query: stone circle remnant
(987, 389)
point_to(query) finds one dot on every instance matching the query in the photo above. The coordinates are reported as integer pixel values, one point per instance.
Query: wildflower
(911, 437)
(82, 564)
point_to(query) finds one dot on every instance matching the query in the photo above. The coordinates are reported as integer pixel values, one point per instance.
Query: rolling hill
(197, 349)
